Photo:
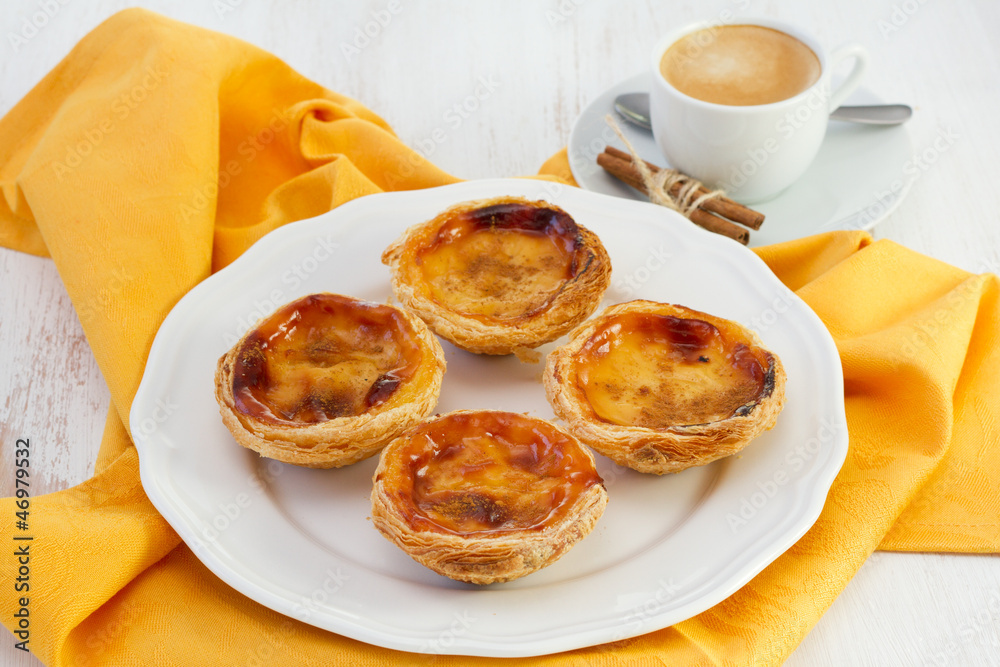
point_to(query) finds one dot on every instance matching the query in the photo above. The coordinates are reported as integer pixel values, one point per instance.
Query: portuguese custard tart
(328, 380)
(499, 275)
(486, 496)
(660, 388)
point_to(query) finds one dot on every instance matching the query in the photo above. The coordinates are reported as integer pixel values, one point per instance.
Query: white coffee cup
(753, 152)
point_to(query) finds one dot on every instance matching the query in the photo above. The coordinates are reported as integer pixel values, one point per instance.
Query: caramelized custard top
(488, 471)
(321, 357)
(657, 371)
(506, 261)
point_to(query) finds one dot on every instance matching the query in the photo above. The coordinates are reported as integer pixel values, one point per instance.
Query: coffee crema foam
(740, 65)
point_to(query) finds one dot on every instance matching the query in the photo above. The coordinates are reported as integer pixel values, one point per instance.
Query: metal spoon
(634, 107)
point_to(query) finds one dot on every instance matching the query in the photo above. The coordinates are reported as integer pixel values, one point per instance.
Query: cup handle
(860, 55)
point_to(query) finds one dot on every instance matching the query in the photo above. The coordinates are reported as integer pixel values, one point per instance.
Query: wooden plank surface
(542, 63)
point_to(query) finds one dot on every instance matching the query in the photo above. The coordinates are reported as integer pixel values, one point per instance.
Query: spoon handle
(879, 114)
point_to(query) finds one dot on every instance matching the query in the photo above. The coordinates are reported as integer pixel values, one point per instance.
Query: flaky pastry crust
(664, 447)
(529, 318)
(446, 517)
(321, 442)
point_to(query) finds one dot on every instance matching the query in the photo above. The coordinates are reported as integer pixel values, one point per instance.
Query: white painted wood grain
(543, 61)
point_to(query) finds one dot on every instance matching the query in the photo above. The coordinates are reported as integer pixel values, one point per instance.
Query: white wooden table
(546, 60)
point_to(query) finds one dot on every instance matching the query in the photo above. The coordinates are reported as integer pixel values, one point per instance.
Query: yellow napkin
(156, 153)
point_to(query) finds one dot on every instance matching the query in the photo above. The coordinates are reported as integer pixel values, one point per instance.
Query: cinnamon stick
(721, 206)
(624, 171)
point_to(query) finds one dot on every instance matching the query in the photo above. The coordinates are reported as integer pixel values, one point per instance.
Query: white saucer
(856, 180)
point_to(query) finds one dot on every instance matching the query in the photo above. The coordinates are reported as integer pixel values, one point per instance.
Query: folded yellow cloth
(157, 152)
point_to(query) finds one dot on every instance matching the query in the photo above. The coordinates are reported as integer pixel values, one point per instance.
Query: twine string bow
(659, 185)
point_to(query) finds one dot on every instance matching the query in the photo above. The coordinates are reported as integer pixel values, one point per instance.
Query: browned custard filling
(321, 357)
(505, 261)
(489, 472)
(657, 371)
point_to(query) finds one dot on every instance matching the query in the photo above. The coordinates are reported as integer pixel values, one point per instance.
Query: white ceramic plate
(299, 541)
(858, 177)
